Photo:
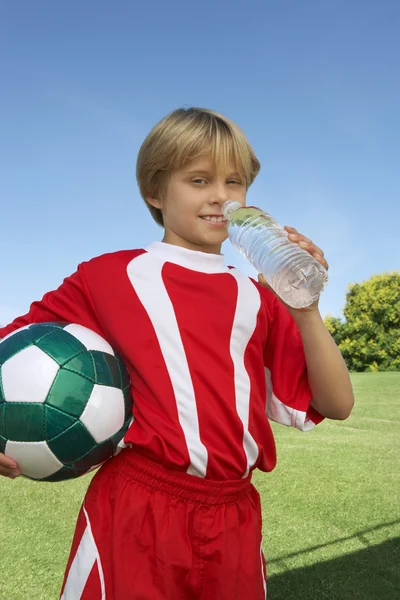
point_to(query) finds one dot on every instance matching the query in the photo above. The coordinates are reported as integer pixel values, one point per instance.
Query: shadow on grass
(369, 574)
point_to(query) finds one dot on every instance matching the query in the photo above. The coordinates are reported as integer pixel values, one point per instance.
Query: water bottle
(294, 275)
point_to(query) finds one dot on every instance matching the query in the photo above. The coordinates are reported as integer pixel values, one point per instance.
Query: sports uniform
(212, 357)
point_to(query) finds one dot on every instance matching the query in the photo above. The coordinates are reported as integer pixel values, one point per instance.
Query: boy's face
(194, 195)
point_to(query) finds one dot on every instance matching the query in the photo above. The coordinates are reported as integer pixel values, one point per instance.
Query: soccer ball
(65, 400)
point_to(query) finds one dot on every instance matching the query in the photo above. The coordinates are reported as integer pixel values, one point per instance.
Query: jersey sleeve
(70, 303)
(288, 392)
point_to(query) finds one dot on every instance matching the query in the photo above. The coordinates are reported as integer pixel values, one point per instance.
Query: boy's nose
(219, 195)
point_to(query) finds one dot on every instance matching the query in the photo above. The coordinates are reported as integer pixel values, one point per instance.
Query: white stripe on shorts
(263, 572)
(81, 567)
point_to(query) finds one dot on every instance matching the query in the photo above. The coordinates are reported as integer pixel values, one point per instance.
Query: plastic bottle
(296, 277)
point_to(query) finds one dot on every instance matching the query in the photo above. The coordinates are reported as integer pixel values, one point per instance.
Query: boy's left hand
(305, 243)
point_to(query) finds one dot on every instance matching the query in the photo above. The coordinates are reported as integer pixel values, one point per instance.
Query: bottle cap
(229, 207)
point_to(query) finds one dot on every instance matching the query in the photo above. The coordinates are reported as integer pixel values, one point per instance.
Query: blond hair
(182, 136)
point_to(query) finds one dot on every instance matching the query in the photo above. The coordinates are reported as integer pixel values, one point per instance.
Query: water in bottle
(296, 277)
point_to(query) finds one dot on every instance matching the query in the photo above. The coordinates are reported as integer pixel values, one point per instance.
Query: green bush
(369, 338)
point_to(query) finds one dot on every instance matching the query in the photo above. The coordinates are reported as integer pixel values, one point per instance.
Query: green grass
(331, 511)
(332, 506)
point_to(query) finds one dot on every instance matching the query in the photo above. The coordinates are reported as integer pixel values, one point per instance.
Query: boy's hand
(317, 253)
(8, 467)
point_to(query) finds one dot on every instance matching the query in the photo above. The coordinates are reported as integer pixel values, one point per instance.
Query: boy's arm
(288, 392)
(328, 377)
(71, 302)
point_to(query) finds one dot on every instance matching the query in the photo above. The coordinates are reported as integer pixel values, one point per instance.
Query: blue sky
(314, 84)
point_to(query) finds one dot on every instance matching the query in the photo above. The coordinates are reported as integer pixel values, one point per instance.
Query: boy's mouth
(214, 219)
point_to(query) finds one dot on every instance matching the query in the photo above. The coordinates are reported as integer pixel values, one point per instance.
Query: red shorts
(145, 532)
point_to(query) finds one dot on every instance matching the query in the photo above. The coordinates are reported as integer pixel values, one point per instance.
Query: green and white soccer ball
(65, 400)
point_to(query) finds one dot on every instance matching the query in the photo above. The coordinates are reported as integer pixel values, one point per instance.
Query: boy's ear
(154, 202)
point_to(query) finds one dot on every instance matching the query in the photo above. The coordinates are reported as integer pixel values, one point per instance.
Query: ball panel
(24, 422)
(83, 365)
(73, 444)
(34, 459)
(69, 392)
(106, 369)
(64, 474)
(127, 393)
(14, 343)
(90, 339)
(104, 414)
(40, 330)
(2, 406)
(14, 332)
(125, 379)
(56, 421)
(28, 375)
(95, 457)
(60, 345)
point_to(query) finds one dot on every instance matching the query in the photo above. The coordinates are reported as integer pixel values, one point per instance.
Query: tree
(369, 339)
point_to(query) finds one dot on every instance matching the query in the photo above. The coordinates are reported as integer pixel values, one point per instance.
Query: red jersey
(212, 355)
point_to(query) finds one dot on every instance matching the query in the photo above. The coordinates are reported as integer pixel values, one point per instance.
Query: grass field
(331, 511)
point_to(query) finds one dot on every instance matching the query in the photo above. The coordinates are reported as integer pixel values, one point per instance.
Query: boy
(212, 355)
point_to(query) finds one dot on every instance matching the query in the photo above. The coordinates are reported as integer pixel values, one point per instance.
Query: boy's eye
(201, 181)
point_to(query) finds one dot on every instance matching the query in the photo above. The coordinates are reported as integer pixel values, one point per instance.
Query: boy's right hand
(8, 467)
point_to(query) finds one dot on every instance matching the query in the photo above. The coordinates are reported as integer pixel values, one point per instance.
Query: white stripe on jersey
(244, 324)
(81, 566)
(145, 274)
(279, 412)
